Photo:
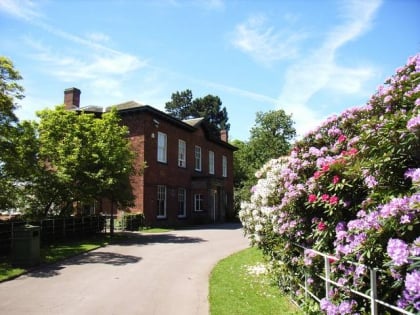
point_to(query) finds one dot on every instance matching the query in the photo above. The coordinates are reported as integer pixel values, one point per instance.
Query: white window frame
(182, 153)
(198, 202)
(182, 202)
(224, 166)
(162, 147)
(197, 155)
(211, 162)
(161, 201)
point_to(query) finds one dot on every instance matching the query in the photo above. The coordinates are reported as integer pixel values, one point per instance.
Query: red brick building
(189, 174)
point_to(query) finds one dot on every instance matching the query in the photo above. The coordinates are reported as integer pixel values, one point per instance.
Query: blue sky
(312, 58)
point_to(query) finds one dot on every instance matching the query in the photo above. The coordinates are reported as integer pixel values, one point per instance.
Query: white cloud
(319, 70)
(240, 92)
(23, 9)
(211, 4)
(264, 43)
(98, 37)
(106, 70)
(88, 58)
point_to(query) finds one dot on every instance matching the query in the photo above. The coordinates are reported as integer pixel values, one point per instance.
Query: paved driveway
(147, 274)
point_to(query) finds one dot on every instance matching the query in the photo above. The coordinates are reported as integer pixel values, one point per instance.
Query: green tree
(270, 138)
(79, 158)
(10, 93)
(183, 106)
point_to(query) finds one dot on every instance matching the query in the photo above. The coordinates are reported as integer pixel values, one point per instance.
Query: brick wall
(144, 127)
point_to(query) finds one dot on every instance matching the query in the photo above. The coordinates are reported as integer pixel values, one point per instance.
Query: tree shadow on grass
(94, 257)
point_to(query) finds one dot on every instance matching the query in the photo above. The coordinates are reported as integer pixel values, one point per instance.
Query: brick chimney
(72, 98)
(224, 135)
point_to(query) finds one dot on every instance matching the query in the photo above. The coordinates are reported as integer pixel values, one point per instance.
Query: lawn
(239, 285)
(155, 230)
(52, 253)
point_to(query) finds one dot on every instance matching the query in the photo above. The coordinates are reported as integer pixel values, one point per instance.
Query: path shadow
(93, 257)
(135, 238)
(217, 226)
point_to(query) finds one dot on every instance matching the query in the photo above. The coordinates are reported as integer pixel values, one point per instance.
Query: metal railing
(53, 229)
(329, 282)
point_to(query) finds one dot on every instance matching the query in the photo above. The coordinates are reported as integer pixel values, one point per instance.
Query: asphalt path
(150, 274)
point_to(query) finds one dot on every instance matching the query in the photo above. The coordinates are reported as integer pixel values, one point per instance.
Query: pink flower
(325, 197)
(342, 138)
(336, 179)
(352, 151)
(333, 200)
(312, 198)
(321, 226)
(317, 174)
(326, 167)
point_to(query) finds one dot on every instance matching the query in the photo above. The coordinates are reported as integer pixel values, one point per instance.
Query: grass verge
(53, 253)
(240, 286)
(155, 230)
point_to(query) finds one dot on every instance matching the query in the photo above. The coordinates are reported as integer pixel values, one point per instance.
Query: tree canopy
(10, 93)
(183, 106)
(270, 138)
(79, 158)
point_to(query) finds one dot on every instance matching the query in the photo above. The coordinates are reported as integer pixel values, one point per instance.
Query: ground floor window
(161, 201)
(198, 202)
(182, 198)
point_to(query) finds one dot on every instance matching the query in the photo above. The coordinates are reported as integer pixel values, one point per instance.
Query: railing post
(373, 292)
(327, 277)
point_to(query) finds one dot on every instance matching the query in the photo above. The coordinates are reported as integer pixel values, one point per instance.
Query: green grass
(155, 230)
(60, 251)
(9, 272)
(237, 288)
(53, 253)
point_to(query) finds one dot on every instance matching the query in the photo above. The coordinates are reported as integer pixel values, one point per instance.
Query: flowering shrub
(350, 188)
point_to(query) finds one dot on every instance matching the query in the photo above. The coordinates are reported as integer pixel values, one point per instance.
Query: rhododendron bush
(351, 189)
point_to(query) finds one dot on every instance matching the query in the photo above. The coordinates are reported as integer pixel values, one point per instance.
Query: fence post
(373, 292)
(327, 277)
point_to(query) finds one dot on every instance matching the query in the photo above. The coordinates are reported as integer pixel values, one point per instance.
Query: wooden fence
(53, 229)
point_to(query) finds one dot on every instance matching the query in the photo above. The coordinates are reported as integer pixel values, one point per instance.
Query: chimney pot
(72, 98)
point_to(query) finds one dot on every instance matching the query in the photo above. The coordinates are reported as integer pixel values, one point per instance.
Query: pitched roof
(129, 107)
(125, 105)
(194, 122)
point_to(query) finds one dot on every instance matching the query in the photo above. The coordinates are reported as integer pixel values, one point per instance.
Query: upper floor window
(162, 147)
(211, 162)
(224, 166)
(197, 158)
(182, 153)
(161, 201)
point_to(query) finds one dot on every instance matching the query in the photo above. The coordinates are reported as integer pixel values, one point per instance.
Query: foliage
(350, 188)
(10, 93)
(74, 157)
(183, 106)
(273, 127)
(239, 284)
(132, 221)
(10, 90)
